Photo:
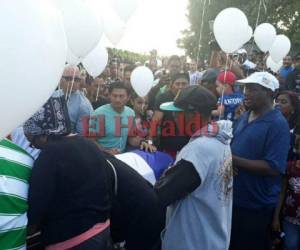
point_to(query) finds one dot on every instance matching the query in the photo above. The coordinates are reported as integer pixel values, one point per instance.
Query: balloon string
(67, 92)
(201, 30)
(257, 20)
(118, 67)
(226, 68)
(73, 78)
(117, 76)
(223, 90)
(258, 14)
(231, 63)
(98, 89)
(265, 62)
(265, 6)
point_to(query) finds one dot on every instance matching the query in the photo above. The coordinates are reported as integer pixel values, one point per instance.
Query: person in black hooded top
(69, 194)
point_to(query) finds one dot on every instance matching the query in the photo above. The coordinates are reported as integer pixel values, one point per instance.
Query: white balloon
(231, 29)
(142, 80)
(72, 59)
(58, 4)
(125, 8)
(273, 65)
(280, 48)
(114, 27)
(83, 28)
(264, 36)
(249, 34)
(96, 61)
(33, 52)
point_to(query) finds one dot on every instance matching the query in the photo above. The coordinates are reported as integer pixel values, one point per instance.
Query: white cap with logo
(264, 79)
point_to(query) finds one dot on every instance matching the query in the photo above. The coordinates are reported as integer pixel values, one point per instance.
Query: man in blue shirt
(259, 148)
(293, 78)
(285, 69)
(79, 106)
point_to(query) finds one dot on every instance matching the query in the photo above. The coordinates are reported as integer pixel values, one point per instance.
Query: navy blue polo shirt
(266, 138)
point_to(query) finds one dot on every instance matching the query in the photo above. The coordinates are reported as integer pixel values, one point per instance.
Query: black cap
(192, 98)
(210, 75)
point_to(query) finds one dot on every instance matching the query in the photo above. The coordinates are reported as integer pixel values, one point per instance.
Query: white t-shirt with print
(202, 220)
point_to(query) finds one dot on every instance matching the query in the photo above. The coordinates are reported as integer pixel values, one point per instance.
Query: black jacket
(69, 189)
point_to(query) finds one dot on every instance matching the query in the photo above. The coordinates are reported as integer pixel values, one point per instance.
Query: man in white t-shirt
(195, 75)
(245, 62)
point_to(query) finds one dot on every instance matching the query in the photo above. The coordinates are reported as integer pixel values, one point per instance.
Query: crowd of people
(221, 141)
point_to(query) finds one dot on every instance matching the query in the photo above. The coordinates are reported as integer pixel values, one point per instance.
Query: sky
(156, 24)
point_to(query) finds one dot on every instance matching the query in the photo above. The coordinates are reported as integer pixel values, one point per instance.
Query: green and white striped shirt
(15, 169)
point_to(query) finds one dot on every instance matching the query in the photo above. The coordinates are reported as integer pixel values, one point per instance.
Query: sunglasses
(70, 79)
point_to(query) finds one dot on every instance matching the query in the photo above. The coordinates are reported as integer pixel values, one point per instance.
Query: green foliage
(127, 56)
(283, 14)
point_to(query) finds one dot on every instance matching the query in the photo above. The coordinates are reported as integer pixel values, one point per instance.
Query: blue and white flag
(150, 165)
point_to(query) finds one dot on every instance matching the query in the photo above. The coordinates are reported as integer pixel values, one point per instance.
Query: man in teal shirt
(112, 125)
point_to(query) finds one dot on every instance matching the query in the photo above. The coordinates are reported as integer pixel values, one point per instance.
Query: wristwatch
(150, 142)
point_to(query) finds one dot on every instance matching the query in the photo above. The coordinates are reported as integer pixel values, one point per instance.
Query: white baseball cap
(264, 79)
(242, 51)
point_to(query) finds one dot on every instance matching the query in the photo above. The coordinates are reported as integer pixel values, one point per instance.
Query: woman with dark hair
(289, 204)
(70, 192)
(289, 104)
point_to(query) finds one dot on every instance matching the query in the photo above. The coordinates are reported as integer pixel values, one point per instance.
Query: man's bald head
(70, 70)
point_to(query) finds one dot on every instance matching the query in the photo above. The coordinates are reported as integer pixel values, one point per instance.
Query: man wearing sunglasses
(78, 105)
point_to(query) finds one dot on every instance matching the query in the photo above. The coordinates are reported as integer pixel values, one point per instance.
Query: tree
(127, 56)
(284, 15)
